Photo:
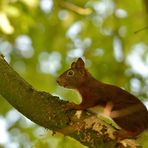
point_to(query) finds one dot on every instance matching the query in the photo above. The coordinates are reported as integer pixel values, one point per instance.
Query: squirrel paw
(122, 134)
(69, 106)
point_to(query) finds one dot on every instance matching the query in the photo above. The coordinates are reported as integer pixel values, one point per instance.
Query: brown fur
(126, 109)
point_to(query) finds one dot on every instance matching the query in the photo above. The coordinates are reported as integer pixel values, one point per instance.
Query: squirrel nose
(58, 81)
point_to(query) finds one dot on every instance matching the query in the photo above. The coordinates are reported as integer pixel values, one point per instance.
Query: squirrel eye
(70, 73)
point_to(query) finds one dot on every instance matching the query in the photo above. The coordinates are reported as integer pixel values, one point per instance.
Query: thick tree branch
(48, 111)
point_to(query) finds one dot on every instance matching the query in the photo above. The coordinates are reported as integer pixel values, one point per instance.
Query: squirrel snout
(58, 81)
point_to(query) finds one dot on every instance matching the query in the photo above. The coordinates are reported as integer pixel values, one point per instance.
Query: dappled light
(121, 13)
(5, 25)
(46, 5)
(49, 63)
(118, 51)
(135, 59)
(3, 128)
(41, 38)
(24, 46)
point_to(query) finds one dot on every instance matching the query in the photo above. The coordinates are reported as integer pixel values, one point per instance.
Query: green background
(41, 38)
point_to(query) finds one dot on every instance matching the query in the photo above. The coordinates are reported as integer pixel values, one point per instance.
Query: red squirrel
(124, 108)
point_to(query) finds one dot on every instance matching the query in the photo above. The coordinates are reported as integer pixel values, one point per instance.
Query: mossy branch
(48, 111)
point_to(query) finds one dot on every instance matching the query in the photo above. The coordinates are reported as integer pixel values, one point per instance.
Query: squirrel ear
(73, 65)
(80, 63)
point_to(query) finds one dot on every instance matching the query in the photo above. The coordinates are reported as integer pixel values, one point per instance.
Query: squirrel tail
(134, 123)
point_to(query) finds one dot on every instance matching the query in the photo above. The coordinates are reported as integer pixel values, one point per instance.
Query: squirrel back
(124, 108)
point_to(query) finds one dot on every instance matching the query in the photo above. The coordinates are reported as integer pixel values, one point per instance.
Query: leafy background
(40, 39)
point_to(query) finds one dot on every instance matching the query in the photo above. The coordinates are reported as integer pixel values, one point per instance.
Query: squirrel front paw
(69, 106)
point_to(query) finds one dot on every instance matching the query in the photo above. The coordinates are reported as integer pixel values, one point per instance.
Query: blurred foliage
(40, 39)
(58, 141)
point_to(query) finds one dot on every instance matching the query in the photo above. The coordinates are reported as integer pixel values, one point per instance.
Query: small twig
(75, 8)
(141, 30)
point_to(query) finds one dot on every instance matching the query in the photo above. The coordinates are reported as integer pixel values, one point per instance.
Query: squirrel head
(75, 76)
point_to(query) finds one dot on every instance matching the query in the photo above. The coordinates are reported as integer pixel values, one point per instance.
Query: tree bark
(48, 111)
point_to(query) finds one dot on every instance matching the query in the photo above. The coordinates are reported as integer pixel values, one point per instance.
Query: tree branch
(48, 111)
(75, 8)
